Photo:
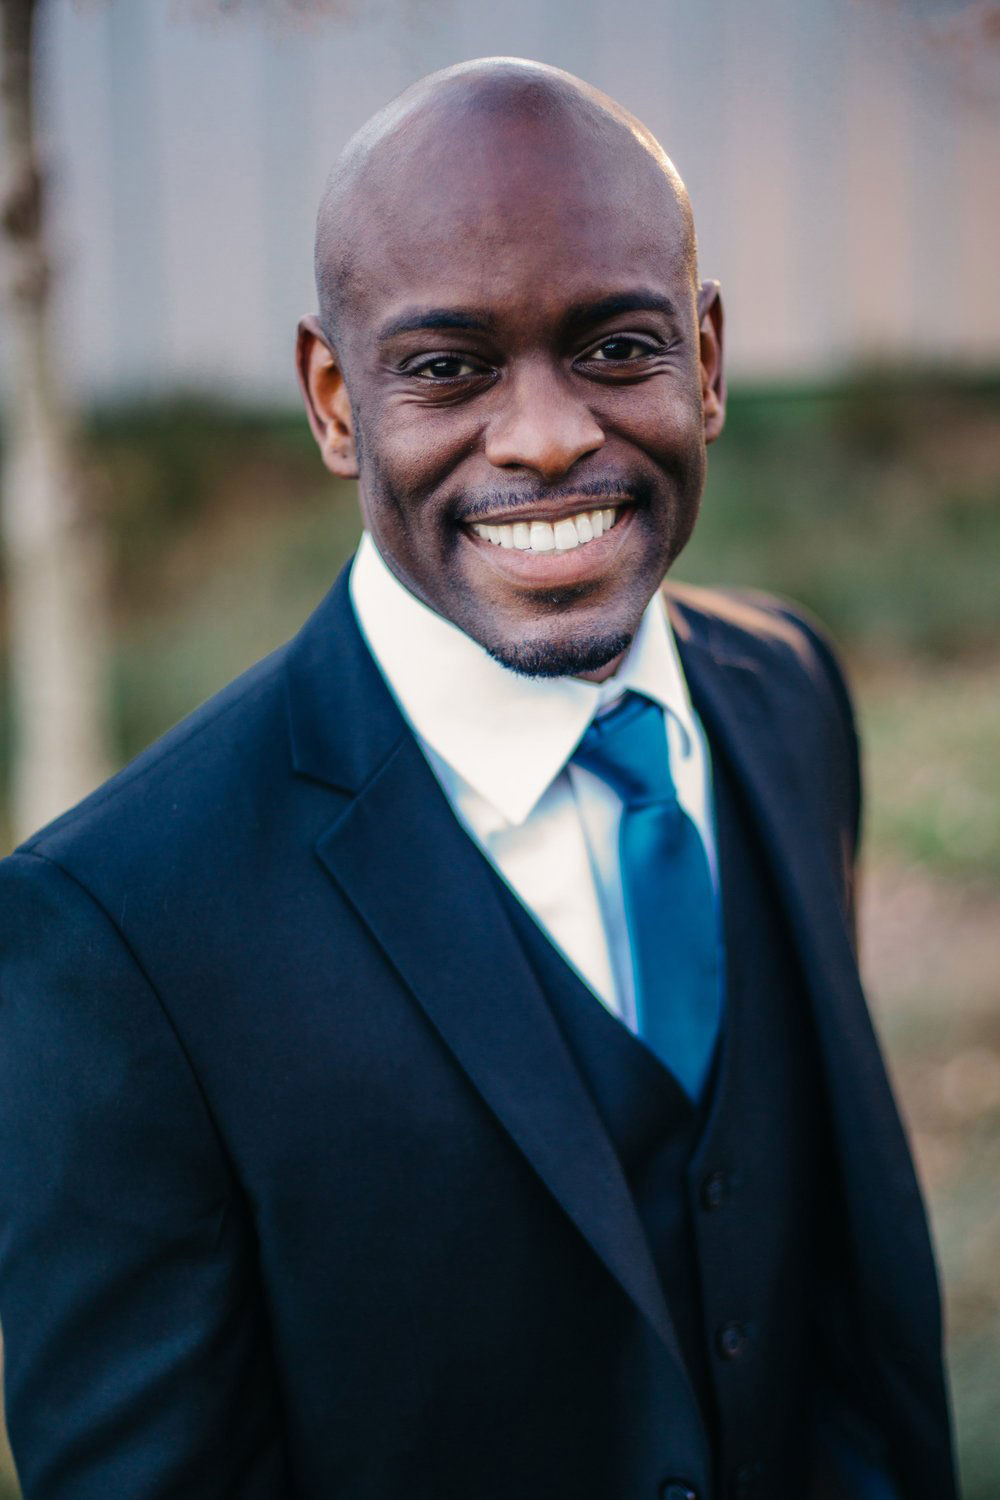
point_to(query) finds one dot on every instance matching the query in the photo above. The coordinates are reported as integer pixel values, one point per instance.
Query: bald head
(498, 114)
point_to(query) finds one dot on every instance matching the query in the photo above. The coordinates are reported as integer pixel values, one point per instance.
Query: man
(439, 1067)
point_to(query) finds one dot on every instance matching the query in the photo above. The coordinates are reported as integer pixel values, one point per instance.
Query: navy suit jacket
(301, 1193)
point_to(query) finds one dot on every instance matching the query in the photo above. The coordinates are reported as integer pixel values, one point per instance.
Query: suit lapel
(427, 896)
(747, 721)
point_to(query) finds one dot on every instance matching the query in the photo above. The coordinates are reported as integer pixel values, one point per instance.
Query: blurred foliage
(874, 501)
(931, 735)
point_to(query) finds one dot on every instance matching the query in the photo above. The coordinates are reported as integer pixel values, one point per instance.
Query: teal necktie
(670, 904)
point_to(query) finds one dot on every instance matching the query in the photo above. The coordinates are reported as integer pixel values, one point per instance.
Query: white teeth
(565, 535)
(549, 536)
(542, 536)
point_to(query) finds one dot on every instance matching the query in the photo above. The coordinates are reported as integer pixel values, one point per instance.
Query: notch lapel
(425, 892)
(749, 723)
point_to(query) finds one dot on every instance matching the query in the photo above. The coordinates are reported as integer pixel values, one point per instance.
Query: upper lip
(549, 510)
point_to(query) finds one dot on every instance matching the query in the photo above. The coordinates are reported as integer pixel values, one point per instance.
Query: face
(524, 382)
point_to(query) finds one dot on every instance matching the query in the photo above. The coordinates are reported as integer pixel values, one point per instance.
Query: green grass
(875, 505)
(873, 501)
(254, 592)
(932, 736)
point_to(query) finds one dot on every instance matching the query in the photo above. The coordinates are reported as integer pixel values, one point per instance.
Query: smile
(550, 536)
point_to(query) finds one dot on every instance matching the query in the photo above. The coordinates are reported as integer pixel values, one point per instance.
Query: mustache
(493, 502)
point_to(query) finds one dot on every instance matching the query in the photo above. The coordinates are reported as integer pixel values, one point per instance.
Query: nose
(542, 424)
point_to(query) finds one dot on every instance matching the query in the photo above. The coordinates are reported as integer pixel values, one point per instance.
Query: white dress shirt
(499, 744)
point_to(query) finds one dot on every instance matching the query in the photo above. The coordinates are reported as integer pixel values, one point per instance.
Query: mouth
(559, 549)
(562, 534)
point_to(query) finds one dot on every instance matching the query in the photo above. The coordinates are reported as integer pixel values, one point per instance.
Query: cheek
(663, 417)
(400, 471)
(417, 447)
(677, 426)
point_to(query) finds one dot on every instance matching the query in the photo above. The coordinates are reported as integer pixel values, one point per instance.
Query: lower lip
(546, 570)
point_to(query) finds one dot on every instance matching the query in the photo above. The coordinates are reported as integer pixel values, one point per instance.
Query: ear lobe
(328, 407)
(713, 380)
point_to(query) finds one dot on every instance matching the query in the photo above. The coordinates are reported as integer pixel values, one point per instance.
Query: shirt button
(732, 1341)
(714, 1191)
(677, 1489)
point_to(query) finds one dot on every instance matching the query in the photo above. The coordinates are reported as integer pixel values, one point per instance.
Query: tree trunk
(52, 548)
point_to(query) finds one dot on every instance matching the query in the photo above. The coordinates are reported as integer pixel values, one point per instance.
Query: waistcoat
(727, 1191)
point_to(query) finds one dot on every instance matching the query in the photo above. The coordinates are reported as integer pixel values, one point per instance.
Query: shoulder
(798, 672)
(761, 626)
(774, 635)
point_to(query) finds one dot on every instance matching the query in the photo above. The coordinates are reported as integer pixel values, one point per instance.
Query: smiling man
(439, 1067)
(510, 322)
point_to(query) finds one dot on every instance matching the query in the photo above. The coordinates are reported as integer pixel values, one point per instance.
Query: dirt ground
(931, 952)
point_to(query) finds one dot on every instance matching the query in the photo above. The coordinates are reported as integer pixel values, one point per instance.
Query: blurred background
(166, 519)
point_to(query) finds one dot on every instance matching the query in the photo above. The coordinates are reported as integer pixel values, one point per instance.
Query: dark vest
(727, 1191)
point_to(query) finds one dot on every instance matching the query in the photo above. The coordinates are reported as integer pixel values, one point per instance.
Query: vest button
(677, 1489)
(714, 1191)
(732, 1341)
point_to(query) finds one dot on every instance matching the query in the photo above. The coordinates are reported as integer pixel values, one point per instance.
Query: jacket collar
(342, 720)
(505, 737)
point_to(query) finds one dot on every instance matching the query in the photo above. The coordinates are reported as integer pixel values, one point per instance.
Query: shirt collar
(505, 735)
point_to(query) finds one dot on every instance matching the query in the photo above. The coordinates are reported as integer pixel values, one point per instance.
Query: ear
(328, 407)
(713, 380)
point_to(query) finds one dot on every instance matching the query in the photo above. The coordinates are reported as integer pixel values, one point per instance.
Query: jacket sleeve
(137, 1361)
(848, 760)
(845, 777)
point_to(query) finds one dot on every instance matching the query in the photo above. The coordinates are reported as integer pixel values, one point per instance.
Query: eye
(620, 348)
(445, 367)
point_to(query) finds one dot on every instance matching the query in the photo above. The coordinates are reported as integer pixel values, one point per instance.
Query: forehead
(516, 214)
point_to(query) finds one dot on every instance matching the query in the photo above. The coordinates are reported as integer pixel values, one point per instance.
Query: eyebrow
(639, 300)
(431, 319)
(421, 319)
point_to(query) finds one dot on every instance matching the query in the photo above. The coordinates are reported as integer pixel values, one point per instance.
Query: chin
(560, 658)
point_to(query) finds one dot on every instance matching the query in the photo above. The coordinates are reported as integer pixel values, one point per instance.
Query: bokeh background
(843, 157)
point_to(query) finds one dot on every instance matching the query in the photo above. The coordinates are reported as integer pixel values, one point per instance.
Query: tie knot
(627, 748)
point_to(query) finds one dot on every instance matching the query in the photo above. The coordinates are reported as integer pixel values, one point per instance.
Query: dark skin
(519, 338)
